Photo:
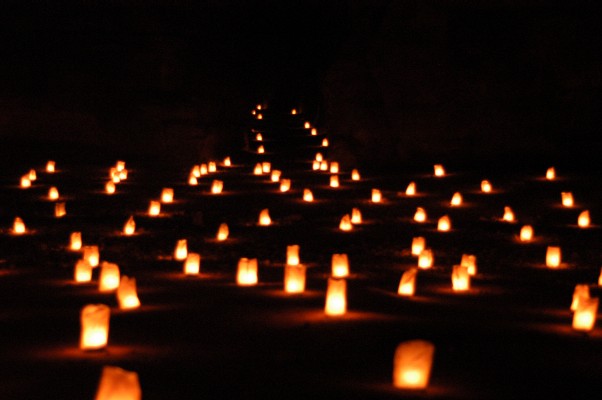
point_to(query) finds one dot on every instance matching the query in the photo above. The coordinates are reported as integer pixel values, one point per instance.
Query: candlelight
(294, 111)
(60, 210)
(154, 208)
(508, 214)
(439, 170)
(584, 317)
(444, 224)
(336, 297)
(334, 181)
(83, 271)
(181, 251)
(123, 175)
(53, 193)
(583, 221)
(411, 189)
(264, 217)
(223, 232)
(192, 180)
(325, 142)
(420, 215)
(195, 171)
(600, 278)
(485, 186)
(334, 167)
(212, 166)
(217, 186)
(323, 165)
(258, 170)
(319, 157)
(567, 199)
(460, 278)
(551, 174)
(203, 169)
(32, 175)
(227, 162)
(314, 132)
(167, 195)
(110, 187)
(340, 265)
(306, 125)
(114, 175)
(130, 226)
(260, 149)
(266, 167)
(259, 116)
(50, 166)
(19, 226)
(92, 255)
(376, 196)
(553, 256)
(292, 254)
(25, 181)
(580, 292)
(356, 216)
(192, 265)
(526, 233)
(345, 224)
(308, 195)
(412, 364)
(469, 261)
(75, 241)
(285, 185)
(94, 320)
(275, 177)
(247, 272)
(407, 283)
(118, 384)
(315, 165)
(456, 199)
(127, 296)
(425, 259)
(355, 175)
(109, 277)
(418, 244)
(120, 166)
(294, 278)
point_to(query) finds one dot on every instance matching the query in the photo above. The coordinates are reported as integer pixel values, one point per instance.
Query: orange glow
(94, 320)
(258, 170)
(92, 255)
(192, 180)
(285, 185)
(314, 132)
(567, 199)
(32, 175)
(600, 278)
(217, 186)
(118, 384)
(308, 195)
(439, 170)
(411, 189)
(167, 195)
(420, 215)
(275, 177)
(25, 182)
(486, 186)
(259, 116)
(227, 162)
(60, 210)
(192, 265)
(323, 165)
(553, 256)
(203, 169)
(260, 149)
(195, 171)
(325, 142)
(264, 217)
(212, 166)
(460, 278)
(53, 193)
(75, 241)
(407, 283)
(294, 278)
(127, 295)
(50, 166)
(266, 167)
(418, 244)
(334, 181)
(526, 233)
(292, 254)
(110, 187)
(120, 166)
(19, 226)
(345, 224)
(580, 292)
(356, 216)
(584, 317)
(412, 364)
(223, 232)
(425, 259)
(334, 167)
(306, 125)
(551, 174)
(319, 157)
(154, 208)
(83, 271)
(469, 261)
(376, 196)
(583, 220)
(181, 251)
(315, 165)
(130, 227)
(336, 297)
(246, 274)
(294, 111)
(355, 175)
(340, 266)
(109, 277)
(456, 199)
(444, 224)
(508, 214)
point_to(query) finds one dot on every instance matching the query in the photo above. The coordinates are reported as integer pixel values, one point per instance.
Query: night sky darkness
(390, 81)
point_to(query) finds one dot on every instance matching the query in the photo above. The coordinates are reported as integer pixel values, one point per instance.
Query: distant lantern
(485, 186)
(33, 175)
(376, 196)
(60, 209)
(336, 297)
(356, 216)
(203, 169)
(411, 189)
(319, 157)
(110, 187)
(75, 241)
(334, 167)
(181, 251)
(420, 215)
(325, 142)
(92, 255)
(580, 292)
(444, 224)
(323, 165)
(469, 261)
(83, 271)
(306, 125)
(264, 217)
(120, 165)
(259, 116)
(130, 226)
(261, 149)
(19, 226)
(223, 232)
(551, 174)
(127, 295)
(345, 224)
(53, 193)
(114, 175)
(567, 199)
(456, 199)
(212, 166)
(266, 167)
(154, 208)
(418, 244)
(292, 254)
(340, 265)
(118, 384)
(196, 171)
(285, 185)
(308, 195)
(25, 182)
(294, 278)
(584, 317)
(355, 175)
(258, 170)
(553, 256)
(425, 259)
(314, 132)
(246, 274)
(315, 165)
(94, 321)
(439, 170)
(217, 186)
(407, 283)
(227, 162)
(167, 195)
(583, 220)
(600, 278)
(192, 265)
(294, 111)
(460, 278)
(526, 233)
(412, 364)
(192, 180)
(275, 176)
(50, 166)
(109, 277)
(508, 214)
(334, 181)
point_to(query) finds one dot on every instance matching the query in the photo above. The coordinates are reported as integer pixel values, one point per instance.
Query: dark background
(391, 82)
